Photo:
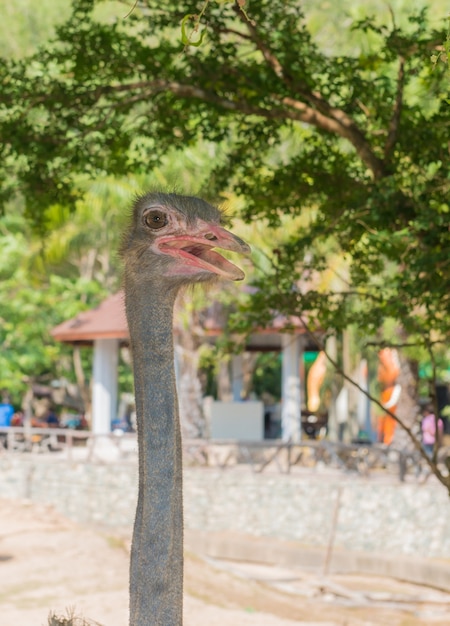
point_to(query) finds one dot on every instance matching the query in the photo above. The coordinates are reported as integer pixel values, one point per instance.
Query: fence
(68, 443)
(264, 456)
(286, 457)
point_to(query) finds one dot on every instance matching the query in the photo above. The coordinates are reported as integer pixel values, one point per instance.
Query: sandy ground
(50, 563)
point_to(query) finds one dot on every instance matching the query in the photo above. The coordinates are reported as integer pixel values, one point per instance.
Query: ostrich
(169, 244)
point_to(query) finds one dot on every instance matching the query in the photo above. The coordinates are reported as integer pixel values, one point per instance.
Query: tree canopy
(357, 140)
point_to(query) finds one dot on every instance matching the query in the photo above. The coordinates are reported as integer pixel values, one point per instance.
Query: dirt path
(48, 562)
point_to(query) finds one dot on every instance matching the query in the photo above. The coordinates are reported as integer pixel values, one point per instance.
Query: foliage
(32, 302)
(27, 315)
(361, 138)
(27, 24)
(267, 375)
(443, 53)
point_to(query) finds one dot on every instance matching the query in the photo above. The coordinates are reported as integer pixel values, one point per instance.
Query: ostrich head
(172, 240)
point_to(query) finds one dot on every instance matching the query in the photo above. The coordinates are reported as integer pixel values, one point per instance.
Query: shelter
(105, 328)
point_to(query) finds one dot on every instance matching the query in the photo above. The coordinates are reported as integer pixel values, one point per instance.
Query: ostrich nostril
(210, 236)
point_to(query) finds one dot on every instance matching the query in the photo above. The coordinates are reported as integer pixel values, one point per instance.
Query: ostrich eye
(155, 219)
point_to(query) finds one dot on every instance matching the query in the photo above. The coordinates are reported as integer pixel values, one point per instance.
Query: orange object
(315, 380)
(388, 372)
(386, 429)
(388, 367)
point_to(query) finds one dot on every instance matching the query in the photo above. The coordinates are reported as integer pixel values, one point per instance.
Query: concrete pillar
(291, 428)
(237, 377)
(104, 385)
(342, 404)
(363, 406)
(333, 428)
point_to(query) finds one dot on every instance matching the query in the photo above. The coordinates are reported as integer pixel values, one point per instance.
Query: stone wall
(368, 515)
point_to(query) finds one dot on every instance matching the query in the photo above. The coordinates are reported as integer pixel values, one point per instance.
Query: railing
(68, 443)
(263, 456)
(285, 457)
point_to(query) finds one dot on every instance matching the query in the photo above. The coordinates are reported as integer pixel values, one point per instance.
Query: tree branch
(406, 344)
(321, 114)
(445, 480)
(396, 113)
(339, 123)
(335, 121)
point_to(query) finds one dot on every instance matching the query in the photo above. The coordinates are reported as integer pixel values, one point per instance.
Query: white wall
(237, 420)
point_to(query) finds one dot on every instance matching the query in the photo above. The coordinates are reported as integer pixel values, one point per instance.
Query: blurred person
(429, 430)
(52, 419)
(6, 411)
(17, 418)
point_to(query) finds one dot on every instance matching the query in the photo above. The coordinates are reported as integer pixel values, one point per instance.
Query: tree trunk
(248, 368)
(224, 392)
(189, 387)
(408, 409)
(81, 383)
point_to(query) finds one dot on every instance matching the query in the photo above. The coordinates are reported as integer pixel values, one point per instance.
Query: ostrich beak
(195, 250)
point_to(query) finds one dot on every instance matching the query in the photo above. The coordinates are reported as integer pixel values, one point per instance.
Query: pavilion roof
(106, 321)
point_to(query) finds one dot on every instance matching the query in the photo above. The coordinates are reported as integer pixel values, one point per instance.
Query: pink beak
(195, 250)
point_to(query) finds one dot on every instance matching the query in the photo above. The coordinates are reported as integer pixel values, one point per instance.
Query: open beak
(196, 249)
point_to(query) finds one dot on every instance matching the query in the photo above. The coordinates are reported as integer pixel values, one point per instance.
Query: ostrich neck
(156, 571)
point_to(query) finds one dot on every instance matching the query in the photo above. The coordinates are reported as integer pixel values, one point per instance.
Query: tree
(46, 281)
(354, 139)
(29, 309)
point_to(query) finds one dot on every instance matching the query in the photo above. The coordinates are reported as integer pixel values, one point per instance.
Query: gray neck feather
(156, 571)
